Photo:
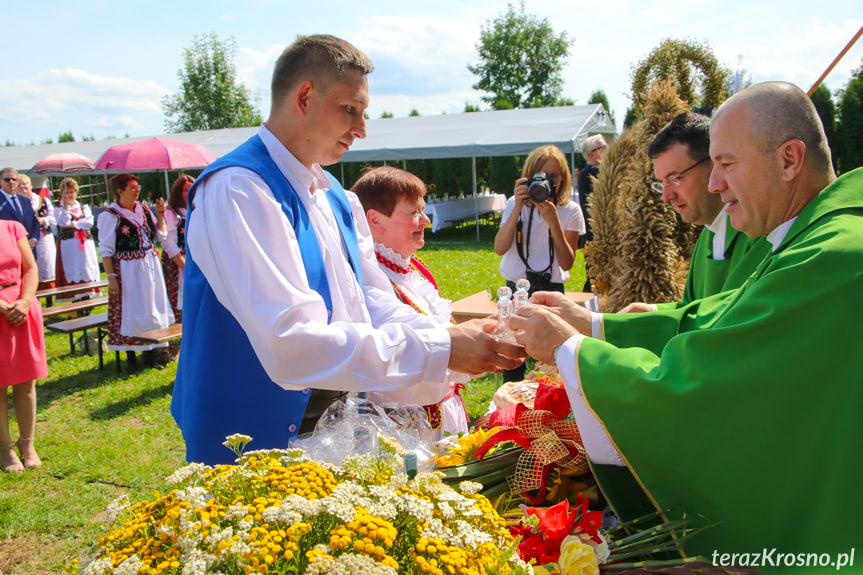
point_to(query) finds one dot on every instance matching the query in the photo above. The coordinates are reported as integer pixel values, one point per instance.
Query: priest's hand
(638, 307)
(474, 349)
(575, 315)
(540, 330)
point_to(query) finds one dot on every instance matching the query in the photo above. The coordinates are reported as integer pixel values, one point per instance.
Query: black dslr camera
(539, 188)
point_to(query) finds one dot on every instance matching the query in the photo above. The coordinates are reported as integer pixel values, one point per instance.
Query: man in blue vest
(283, 298)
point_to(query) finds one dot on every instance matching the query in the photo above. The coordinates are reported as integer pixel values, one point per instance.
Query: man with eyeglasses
(16, 208)
(743, 406)
(723, 257)
(593, 149)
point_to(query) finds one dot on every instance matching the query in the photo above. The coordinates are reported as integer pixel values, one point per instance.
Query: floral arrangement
(461, 450)
(562, 540)
(279, 511)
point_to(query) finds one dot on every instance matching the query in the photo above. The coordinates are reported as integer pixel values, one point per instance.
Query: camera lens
(539, 190)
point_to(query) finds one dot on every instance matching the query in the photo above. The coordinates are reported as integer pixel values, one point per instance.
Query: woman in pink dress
(22, 345)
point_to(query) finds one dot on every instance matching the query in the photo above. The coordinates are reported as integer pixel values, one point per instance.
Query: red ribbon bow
(548, 438)
(82, 237)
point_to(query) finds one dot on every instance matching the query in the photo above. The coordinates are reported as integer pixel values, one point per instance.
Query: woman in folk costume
(46, 249)
(174, 246)
(77, 261)
(138, 301)
(393, 201)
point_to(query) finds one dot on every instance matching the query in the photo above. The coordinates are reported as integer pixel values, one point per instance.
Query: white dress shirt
(512, 268)
(245, 246)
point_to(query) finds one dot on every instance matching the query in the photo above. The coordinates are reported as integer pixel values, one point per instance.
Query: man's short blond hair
(321, 59)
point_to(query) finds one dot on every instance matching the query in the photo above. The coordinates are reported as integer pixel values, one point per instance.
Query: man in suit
(14, 207)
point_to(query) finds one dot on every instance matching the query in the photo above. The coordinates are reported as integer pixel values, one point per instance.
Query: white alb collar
(777, 236)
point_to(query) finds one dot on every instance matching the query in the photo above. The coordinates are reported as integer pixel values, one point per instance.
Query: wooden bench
(70, 326)
(163, 335)
(49, 293)
(77, 306)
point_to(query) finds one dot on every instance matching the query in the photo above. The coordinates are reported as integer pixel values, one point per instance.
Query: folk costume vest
(70, 233)
(221, 386)
(130, 244)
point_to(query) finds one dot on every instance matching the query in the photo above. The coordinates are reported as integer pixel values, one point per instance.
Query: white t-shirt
(536, 249)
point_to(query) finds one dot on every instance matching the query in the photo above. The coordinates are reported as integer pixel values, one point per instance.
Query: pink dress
(22, 347)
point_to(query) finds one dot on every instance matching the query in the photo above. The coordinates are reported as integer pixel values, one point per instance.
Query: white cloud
(418, 56)
(113, 123)
(58, 99)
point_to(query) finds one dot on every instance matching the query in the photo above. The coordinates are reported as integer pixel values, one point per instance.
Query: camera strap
(522, 245)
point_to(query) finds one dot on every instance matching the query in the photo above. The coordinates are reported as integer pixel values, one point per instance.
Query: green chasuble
(747, 406)
(708, 276)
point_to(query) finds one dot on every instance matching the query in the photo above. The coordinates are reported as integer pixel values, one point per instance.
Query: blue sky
(101, 68)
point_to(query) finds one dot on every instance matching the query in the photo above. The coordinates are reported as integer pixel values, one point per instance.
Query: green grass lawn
(104, 433)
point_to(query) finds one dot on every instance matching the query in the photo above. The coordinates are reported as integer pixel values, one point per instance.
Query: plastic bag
(354, 425)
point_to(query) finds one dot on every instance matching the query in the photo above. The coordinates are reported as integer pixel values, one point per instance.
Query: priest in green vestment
(746, 406)
(723, 257)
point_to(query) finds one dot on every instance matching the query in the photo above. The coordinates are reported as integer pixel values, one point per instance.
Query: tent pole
(475, 198)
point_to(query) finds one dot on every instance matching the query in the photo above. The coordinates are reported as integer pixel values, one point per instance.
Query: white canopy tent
(466, 135)
(481, 134)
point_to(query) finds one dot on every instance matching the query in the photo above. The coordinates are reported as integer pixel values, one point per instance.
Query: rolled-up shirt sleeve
(107, 234)
(86, 222)
(246, 248)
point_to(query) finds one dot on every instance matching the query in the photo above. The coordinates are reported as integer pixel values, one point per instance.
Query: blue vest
(221, 386)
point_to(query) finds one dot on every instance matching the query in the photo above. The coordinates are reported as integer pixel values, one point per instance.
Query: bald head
(778, 112)
(770, 156)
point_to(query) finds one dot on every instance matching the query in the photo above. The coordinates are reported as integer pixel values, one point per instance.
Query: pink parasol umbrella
(62, 163)
(154, 154)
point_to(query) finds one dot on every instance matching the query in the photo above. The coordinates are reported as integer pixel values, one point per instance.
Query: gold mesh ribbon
(552, 442)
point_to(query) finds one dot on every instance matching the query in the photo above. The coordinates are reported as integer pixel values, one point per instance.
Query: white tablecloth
(442, 213)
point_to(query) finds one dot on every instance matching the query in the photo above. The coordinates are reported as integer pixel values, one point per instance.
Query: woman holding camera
(538, 236)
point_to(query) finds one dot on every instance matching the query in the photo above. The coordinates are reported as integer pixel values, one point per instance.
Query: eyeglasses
(659, 187)
(596, 149)
(10, 180)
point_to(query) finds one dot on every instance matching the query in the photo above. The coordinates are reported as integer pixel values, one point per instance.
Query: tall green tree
(599, 97)
(823, 101)
(210, 96)
(65, 137)
(849, 131)
(521, 61)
